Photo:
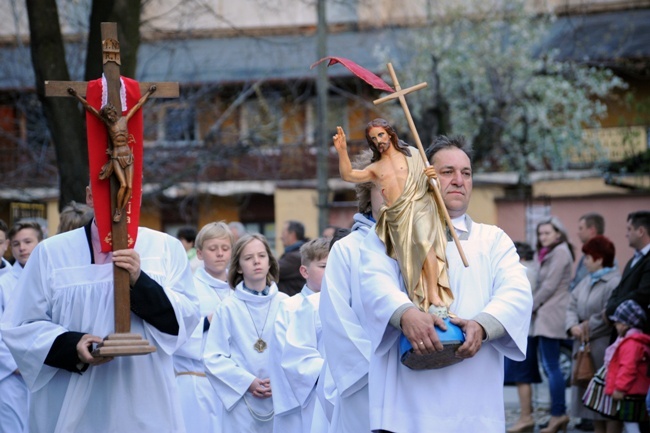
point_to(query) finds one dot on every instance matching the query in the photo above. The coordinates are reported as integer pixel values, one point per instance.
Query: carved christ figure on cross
(409, 223)
(120, 154)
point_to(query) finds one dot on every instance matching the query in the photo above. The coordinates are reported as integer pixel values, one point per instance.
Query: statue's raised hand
(339, 140)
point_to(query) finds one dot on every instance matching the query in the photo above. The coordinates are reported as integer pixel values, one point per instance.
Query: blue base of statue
(451, 340)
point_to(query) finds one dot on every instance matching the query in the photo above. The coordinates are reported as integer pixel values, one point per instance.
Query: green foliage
(520, 111)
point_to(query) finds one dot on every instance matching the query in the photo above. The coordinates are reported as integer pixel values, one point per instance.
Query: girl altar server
(236, 355)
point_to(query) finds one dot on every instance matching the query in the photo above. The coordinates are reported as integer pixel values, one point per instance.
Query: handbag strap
(585, 332)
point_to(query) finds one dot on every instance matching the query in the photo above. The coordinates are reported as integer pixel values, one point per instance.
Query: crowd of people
(597, 307)
(313, 341)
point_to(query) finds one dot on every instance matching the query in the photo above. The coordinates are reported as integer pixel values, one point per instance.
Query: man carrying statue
(491, 299)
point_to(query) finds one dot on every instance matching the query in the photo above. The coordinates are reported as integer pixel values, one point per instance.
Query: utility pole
(322, 85)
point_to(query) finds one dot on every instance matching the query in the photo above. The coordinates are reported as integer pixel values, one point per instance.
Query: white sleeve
(381, 293)
(229, 380)
(301, 361)
(346, 342)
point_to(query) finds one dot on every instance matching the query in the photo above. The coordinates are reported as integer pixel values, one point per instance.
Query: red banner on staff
(361, 72)
(98, 143)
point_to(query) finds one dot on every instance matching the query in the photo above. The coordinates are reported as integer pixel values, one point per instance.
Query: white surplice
(199, 402)
(14, 404)
(232, 363)
(59, 291)
(346, 341)
(6, 268)
(301, 362)
(285, 404)
(465, 397)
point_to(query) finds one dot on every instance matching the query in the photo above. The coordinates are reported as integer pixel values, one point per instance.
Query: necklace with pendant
(260, 345)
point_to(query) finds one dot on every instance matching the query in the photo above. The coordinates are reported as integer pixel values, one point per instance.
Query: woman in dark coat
(585, 317)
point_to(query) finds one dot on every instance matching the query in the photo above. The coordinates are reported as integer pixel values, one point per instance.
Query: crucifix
(399, 95)
(123, 170)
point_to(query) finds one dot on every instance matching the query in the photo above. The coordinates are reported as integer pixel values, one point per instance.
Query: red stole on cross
(97, 157)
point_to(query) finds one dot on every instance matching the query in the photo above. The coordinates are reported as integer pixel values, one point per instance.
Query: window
(170, 124)
(337, 115)
(260, 121)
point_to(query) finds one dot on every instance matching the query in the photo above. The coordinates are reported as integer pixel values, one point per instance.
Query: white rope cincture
(261, 418)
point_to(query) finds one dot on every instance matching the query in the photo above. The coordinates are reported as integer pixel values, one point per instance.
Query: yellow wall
(150, 217)
(299, 205)
(214, 209)
(573, 187)
(52, 215)
(482, 205)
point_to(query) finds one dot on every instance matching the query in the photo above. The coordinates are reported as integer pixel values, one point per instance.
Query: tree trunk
(126, 13)
(65, 120)
(63, 117)
(434, 118)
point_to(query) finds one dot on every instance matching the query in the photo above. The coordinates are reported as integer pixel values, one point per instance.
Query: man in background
(293, 237)
(589, 225)
(237, 229)
(187, 236)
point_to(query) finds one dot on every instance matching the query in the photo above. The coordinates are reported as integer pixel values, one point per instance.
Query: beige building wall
(150, 217)
(52, 216)
(573, 187)
(214, 209)
(569, 199)
(483, 206)
(299, 205)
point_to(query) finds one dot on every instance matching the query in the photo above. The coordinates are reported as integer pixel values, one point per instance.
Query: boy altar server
(296, 362)
(14, 405)
(200, 404)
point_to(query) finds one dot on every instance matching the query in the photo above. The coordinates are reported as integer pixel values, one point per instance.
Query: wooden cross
(399, 94)
(122, 342)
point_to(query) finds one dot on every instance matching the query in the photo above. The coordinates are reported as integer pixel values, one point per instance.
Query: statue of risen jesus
(409, 223)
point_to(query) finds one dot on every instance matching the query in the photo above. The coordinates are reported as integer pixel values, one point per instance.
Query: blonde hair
(234, 270)
(315, 249)
(73, 216)
(213, 230)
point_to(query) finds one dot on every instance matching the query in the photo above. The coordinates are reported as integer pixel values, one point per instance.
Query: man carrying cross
(63, 306)
(70, 296)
